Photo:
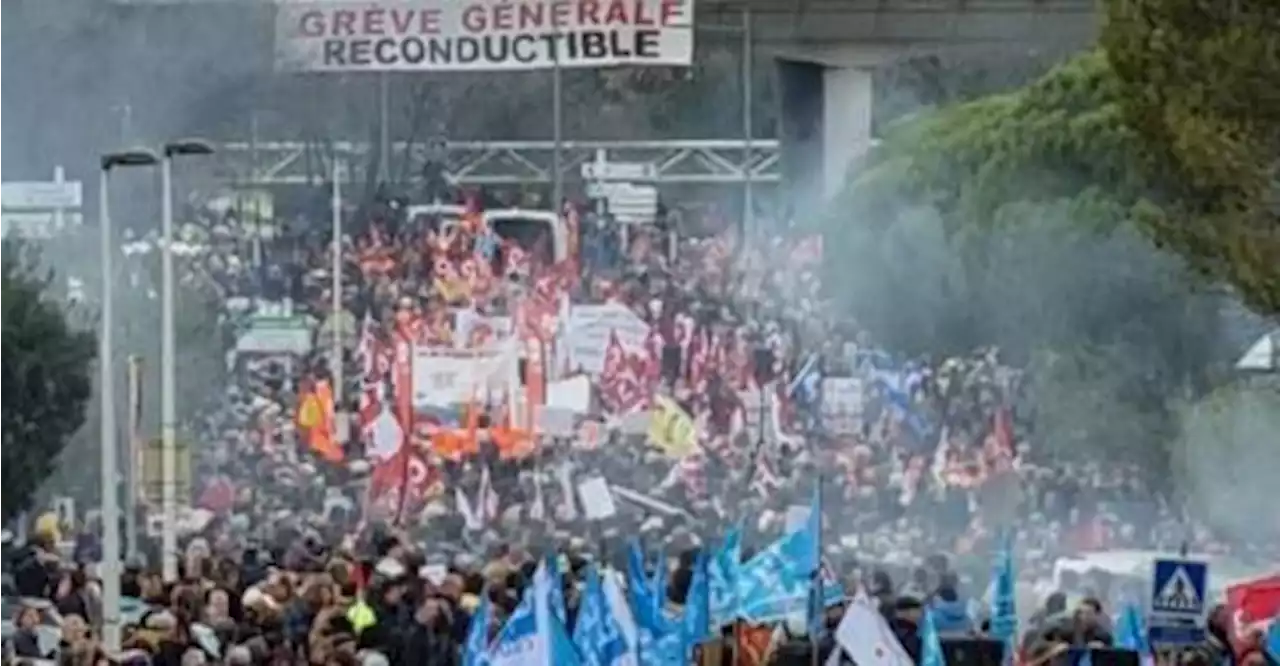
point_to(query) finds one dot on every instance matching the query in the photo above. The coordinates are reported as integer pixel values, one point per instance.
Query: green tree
(46, 372)
(1006, 220)
(1199, 83)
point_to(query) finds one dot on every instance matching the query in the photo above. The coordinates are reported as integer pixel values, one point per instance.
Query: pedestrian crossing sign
(1178, 589)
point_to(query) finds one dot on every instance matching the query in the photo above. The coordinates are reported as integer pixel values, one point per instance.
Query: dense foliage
(1199, 83)
(1006, 220)
(46, 370)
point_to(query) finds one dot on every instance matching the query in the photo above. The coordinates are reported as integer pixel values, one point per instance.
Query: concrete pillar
(846, 122)
(826, 123)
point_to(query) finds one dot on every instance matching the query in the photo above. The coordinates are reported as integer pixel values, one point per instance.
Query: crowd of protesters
(314, 544)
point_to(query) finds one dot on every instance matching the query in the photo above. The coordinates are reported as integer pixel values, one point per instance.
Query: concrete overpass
(828, 49)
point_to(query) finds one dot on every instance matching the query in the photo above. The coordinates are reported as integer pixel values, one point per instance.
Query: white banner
(445, 35)
(590, 327)
(276, 335)
(470, 327)
(443, 377)
(842, 402)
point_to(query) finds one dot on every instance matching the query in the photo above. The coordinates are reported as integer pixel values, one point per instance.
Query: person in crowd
(905, 621)
(322, 547)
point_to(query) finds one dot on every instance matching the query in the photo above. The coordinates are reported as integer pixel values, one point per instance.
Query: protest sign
(474, 330)
(477, 35)
(597, 501)
(276, 335)
(590, 327)
(842, 402)
(443, 377)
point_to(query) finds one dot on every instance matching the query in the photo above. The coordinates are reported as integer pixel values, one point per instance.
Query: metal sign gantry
(697, 162)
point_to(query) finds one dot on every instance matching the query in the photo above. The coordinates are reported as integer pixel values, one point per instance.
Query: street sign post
(622, 188)
(40, 209)
(1177, 604)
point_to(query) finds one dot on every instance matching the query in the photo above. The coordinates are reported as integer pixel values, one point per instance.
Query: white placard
(597, 501)
(276, 335)
(590, 327)
(479, 35)
(433, 573)
(444, 377)
(467, 321)
(571, 395)
(842, 403)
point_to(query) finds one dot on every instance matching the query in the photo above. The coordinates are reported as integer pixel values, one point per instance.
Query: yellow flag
(361, 616)
(47, 525)
(310, 412)
(672, 429)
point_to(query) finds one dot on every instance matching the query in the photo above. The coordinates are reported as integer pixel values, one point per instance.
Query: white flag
(866, 637)
(469, 517)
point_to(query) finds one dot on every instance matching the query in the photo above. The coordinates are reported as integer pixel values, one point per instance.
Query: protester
(338, 521)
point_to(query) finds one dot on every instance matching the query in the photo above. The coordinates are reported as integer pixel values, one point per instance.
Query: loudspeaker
(972, 652)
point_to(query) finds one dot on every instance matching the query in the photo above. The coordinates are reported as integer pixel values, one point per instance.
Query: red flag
(624, 386)
(402, 484)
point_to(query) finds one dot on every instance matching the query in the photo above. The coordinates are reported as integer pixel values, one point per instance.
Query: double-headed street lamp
(110, 506)
(168, 381)
(110, 572)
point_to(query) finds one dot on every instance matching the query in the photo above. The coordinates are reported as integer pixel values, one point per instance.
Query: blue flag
(930, 644)
(658, 591)
(779, 580)
(475, 652)
(1272, 642)
(1004, 612)
(815, 611)
(638, 593)
(697, 606)
(660, 641)
(1131, 632)
(556, 583)
(597, 634)
(533, 636)
(807, 382)
(722, 573)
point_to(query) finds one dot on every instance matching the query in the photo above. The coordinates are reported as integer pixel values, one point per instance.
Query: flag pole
(706, 601)
(817, 608)
(733, 643)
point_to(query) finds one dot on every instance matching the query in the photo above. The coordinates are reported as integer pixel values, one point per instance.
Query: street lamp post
(337, 379)
(110, 506)
(168, 381)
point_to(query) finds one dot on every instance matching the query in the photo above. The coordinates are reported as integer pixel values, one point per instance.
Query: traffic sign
(41, 195)
(602, 170)
(1178, 589)
(1175, 634)
(628, 203)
